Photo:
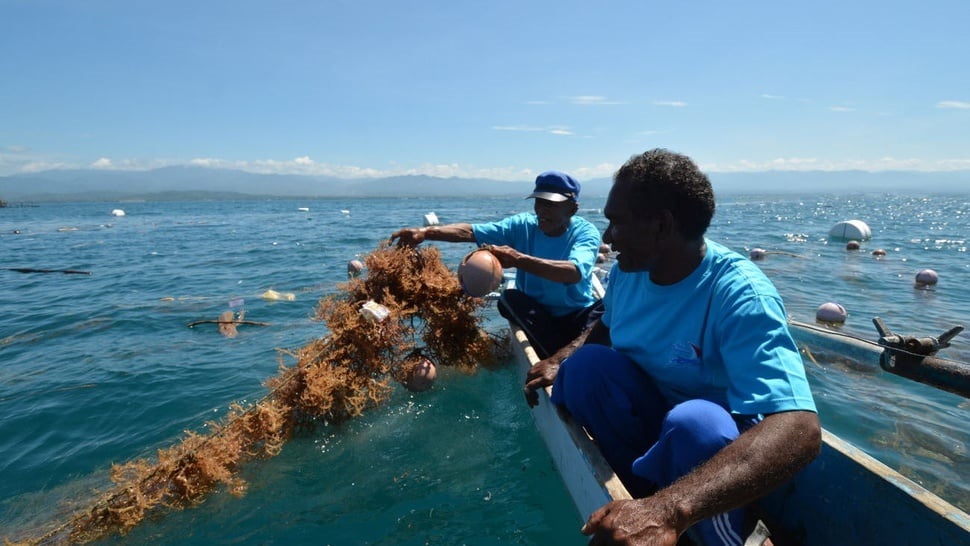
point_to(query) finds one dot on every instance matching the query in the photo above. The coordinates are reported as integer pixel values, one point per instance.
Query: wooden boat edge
(591, 482)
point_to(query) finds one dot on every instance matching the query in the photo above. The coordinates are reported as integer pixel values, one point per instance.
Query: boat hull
(844, 497)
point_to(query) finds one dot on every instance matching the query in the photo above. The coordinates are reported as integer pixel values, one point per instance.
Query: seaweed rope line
(106, 502)
(250, 322)
(145, 489)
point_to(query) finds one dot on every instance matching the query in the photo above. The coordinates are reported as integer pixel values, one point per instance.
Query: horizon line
(374, 175)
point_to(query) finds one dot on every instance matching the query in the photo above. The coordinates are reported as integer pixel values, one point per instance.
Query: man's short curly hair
(663, 180)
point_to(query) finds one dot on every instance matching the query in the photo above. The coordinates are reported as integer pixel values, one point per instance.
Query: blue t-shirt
(580, 245)
(721, 334)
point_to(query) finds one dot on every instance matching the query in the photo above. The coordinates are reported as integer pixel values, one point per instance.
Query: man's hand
(408, 236)
(506, 255)
(638, 522)
(541, 375)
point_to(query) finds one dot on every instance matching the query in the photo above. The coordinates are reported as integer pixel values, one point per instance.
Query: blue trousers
(648, 443)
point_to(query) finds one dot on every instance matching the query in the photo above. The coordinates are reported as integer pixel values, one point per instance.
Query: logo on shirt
(684, 353)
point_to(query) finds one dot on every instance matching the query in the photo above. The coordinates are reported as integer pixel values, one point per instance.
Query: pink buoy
(926, 277)
(479, 273)
(757, 254)
(354, 268)
(831, 312)
(420, 375)
(879, 253)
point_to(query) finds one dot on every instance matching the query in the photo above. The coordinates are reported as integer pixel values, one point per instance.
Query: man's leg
(692, 433)
(542, 328)
(576, 323)
(617, 403)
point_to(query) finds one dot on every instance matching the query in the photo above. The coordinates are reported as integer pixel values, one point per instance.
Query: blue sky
(498, 89)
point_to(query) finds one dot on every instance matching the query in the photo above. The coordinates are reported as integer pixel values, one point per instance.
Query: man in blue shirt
(690, 382)
(553, 251)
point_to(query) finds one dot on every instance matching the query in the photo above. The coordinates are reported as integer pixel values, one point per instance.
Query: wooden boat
(844, 497)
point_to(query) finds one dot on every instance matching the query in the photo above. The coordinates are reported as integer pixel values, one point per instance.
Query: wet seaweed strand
(336, 377)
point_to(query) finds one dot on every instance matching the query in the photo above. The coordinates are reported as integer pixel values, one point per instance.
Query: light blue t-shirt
(580, 245)
(721, 334)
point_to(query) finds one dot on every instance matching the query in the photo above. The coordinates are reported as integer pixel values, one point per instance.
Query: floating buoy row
(833, 313)
(852, 231)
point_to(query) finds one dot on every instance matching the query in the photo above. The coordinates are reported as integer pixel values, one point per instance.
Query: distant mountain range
(194, 183)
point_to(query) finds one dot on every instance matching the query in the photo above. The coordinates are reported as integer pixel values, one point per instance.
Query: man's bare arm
(563, 271)
(451, 233)
(544, 372)
(758, 461)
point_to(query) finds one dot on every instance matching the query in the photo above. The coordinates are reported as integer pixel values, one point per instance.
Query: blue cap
(555, 186)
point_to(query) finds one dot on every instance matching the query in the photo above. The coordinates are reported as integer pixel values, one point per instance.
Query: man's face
(630, 233)
(554, 217)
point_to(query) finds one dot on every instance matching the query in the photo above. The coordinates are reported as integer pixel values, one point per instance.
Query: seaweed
(336, 377)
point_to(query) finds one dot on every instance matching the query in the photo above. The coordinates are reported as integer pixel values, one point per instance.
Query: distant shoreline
(201, 184)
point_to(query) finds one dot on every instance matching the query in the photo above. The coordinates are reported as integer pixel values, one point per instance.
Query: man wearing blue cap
(553, 251)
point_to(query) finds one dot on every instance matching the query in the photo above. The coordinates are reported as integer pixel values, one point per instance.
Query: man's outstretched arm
(451, 233)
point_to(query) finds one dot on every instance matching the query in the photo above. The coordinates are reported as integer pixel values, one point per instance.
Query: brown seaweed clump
(335, 378)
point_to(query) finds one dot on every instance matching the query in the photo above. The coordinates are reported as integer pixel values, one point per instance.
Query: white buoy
(851, 229)
(117, 212)
(926, 277)
(831, 312)
(431, 219)
(304, 209)
(757, 254)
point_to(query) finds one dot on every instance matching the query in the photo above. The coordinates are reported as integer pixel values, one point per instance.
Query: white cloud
(958, 104)
(523, 128)
(771, 97)
(592, 100)
(102, 163)
(817, 164)
(841, 109)
(38, 166)
(17, 149)
(602, 170)
(552, 129)
(673, 103)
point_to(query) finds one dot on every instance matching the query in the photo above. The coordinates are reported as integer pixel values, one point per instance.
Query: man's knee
(702, 424)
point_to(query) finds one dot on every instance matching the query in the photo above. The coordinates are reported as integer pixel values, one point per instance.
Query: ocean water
(102, 368)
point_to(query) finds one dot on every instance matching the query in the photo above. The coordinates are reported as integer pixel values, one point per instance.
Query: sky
(497, 89)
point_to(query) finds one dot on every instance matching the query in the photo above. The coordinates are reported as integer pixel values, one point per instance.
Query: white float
(851, 230)
(117, 212)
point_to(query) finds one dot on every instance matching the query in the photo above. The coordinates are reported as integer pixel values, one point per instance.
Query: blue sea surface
(102, 368)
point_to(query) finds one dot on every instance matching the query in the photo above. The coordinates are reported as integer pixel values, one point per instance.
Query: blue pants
(648, 443)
